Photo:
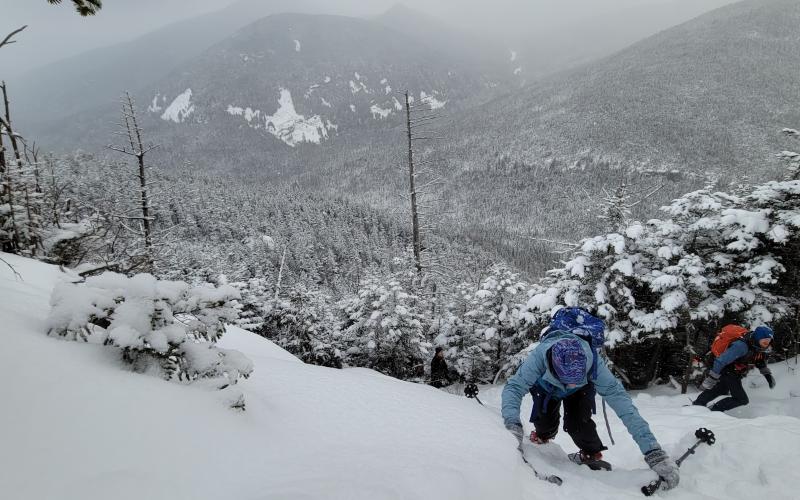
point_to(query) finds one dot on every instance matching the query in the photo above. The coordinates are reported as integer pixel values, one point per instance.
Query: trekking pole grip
(703, 435)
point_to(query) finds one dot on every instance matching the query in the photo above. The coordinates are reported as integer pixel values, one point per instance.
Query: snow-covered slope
(75, 425)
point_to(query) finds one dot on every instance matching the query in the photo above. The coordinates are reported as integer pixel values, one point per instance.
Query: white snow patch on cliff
(293, 128)
(378, 111)
(431, 101)
(287, 124)
(154, 107)
(180, 108)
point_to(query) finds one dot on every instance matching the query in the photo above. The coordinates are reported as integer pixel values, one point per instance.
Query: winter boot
(592, 460)
(536, 439)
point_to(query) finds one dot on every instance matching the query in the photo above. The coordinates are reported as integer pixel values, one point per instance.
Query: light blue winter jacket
(606, 384)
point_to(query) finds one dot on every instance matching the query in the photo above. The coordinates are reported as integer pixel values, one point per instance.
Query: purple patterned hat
(569, 361)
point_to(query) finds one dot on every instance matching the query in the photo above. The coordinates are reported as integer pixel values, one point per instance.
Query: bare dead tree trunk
(6, 123)
(8, 187)
(688, 351)
(280, 274)
(133, 133)
(412, 188)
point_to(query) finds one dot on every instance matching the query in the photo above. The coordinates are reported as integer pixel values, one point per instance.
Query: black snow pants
(729, 383)
(578, 423)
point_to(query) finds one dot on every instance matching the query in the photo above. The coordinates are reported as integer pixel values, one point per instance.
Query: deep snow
(75, 425)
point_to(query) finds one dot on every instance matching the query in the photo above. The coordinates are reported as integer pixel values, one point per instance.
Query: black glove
(516, 430)
(710, 381)
(659, 461)
(770, 380)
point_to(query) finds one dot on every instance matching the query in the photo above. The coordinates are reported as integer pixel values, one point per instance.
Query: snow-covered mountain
(76, 425)
(291, 80)
(99, 76)
(711, 94)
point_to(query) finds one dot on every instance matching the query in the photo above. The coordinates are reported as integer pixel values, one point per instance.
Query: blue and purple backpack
(582, 323)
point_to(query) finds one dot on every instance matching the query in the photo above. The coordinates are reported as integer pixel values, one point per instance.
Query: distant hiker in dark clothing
(735, 352)
(565, 368)
(440, 376)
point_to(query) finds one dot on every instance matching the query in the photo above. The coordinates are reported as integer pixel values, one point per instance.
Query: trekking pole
(703, 435)
(471, 392)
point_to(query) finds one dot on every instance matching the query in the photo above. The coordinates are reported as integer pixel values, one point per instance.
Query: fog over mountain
(546, 25)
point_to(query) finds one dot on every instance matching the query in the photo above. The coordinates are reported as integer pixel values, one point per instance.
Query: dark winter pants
(729, 383)
(578, 421)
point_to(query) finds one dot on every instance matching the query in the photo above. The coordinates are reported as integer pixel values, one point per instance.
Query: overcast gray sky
(56, 32)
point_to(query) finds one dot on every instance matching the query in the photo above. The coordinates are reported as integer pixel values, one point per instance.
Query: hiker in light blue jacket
(566, 368)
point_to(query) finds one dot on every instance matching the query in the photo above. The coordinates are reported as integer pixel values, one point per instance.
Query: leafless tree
(425, 187)
(133, 146)
(19, 191)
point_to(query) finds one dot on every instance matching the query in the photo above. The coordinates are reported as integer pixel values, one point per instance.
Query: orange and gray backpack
(728, 335)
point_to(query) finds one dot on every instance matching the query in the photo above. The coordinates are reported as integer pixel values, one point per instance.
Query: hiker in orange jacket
(730, 367)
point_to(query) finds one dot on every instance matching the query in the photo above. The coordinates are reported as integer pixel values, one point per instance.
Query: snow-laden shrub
(167, 326)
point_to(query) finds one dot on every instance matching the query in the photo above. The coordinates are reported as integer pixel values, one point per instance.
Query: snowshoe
(592, 460)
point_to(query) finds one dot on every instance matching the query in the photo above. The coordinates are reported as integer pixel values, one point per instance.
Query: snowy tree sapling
(166, 326)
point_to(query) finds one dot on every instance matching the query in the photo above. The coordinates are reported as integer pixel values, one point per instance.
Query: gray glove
(710, 381)
(516, 430)
(659, 461)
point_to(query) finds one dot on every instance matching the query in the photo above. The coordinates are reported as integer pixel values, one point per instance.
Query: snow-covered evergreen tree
(384, 327)
(495, 329)
(303, 322)
(167, 326)
(670, 283)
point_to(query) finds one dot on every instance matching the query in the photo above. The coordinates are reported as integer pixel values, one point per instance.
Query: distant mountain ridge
(711, 93)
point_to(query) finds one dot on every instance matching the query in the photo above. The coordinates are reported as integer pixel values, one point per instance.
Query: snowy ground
(74, 425)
